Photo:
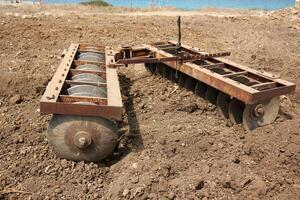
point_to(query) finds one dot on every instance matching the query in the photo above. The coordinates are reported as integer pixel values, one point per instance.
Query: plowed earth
(174, 144)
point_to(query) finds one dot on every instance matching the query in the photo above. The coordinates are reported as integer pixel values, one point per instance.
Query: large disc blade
(235, 111)
(211, 95)
(89, 57)
(241, 79)
(166, 72)
(151, 67)
(182, 79)
(200, 89)
(88, 77)
(219, 70)
(81, 138)
(261, 114)
(190, 83)
(223, 101)
(89, 67)
(91, 54)
(174, 75)
(87, 90)
(92, 48)
(159, 69)
(100, 56)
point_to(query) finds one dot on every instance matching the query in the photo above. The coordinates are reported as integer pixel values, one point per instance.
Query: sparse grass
(101, 3)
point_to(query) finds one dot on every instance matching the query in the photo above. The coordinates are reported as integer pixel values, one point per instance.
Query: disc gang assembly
(85, 99)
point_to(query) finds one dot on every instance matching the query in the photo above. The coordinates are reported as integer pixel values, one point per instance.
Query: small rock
(152, 196)
(190, 108)
(236, 160)
(258, 186)
(125, 192)
(162, 141)
(229, 123)
(58, 191)
(171, 196)
(199, 185)
(20, 139)
(253, 57)
(135, 179)
(78, 27)
(123, 130)
(135, 165)
(138, 191)
(282, 150)
(165, 171)
(64, 163)
(16, 99)
(247, 149)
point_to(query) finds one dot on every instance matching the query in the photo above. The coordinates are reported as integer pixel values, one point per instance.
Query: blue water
(196, 4)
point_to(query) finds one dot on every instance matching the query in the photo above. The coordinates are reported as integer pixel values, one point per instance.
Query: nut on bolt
(82, 139)
(259, 110)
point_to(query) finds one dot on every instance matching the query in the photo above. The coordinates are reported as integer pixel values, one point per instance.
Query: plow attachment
(85, 100)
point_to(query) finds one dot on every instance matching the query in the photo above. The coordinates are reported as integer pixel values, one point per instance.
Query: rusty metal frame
(55, 102)
(270, 85)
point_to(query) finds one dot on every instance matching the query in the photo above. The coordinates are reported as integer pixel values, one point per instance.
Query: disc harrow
(242, 95)
(85, 99)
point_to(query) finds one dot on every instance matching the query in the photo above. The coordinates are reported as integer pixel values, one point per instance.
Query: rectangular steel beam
(55, 85)
(217, 81)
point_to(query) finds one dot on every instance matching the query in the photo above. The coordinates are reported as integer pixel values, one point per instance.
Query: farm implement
(85, 99)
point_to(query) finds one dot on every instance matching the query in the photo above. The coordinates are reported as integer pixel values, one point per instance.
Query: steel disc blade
(89, 67)
(182, 79)
(87, 90)
(223, 101)
(190, 83)
(159, 69)
(91, 58)
(211, 95)
(235, 111)
(92, 48)
(219, 70)
(270, 107)
(147, 66)
(200, 89)
(88, 77)
(100, 133)
(99, 55)
(174, 75)
(168, 72)
(151, 67)
(165, 72)
(251, 83)
(241, 79)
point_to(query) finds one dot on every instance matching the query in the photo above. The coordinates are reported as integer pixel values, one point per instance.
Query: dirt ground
(175, 145)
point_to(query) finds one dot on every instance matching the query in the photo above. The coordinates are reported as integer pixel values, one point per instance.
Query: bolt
(259, 110)
(82, 141)
(49, 98)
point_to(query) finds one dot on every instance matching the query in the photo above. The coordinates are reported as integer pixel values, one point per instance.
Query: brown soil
(175, 146)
